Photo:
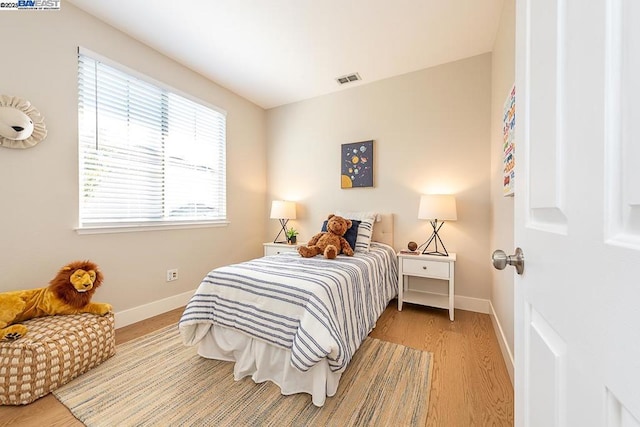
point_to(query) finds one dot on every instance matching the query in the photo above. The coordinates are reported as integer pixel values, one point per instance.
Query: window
(148, 155)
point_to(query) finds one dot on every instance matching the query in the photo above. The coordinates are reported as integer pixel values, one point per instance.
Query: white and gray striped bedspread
(315, 307)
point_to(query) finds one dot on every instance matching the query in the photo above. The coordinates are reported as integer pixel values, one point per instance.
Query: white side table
(271, 248)
(431, 267)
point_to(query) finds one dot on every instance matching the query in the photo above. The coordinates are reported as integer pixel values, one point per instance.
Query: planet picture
(357, 165)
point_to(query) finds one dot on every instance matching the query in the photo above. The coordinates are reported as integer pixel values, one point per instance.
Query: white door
(577, 213)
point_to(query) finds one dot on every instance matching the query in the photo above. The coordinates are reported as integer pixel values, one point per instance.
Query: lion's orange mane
(63, 289)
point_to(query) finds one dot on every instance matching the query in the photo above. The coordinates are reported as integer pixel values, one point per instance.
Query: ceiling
(275, 52)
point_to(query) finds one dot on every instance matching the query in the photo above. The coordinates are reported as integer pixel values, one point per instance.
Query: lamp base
(435, 239)
(283, 225)
(445, 253)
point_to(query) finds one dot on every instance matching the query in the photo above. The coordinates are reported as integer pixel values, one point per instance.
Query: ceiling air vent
(348, 78)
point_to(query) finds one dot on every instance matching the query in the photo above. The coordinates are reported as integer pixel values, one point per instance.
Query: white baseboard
(142, 312)
(472, 304)
(502, 341)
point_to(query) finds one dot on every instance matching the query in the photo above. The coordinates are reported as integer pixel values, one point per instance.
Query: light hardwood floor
(470, 385)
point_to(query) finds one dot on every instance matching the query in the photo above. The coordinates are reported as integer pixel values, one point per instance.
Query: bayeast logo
(31, 4)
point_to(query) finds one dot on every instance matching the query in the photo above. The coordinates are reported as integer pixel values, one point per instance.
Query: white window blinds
(148, 156)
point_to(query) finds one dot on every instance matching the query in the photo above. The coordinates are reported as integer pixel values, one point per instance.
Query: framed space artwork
(357, 165)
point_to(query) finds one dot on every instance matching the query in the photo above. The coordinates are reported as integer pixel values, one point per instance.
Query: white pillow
(365, 229)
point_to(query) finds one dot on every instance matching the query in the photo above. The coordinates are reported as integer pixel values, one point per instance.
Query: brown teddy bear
(69, 292)
(330, 242)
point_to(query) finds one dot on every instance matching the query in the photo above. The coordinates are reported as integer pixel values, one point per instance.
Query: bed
(294, 321)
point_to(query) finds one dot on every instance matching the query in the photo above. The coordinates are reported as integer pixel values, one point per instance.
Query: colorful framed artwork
(508, 143)
(357, 165)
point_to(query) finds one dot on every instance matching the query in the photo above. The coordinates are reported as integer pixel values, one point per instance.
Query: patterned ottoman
(55, 350)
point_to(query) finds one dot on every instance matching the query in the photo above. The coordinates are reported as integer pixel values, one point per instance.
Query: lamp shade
(281, 209)
(438, 206)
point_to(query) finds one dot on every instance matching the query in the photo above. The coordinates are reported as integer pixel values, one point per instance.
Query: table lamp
(283, 211)
(436, 208)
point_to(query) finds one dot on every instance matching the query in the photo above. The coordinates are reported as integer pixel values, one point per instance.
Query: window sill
(133, 228)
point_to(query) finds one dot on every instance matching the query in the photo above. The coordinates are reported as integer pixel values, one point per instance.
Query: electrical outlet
(172, 275)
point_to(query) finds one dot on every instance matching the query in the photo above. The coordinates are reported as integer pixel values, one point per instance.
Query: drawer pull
(424, 267)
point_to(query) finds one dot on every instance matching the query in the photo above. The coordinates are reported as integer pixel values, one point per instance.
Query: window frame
(134, 226)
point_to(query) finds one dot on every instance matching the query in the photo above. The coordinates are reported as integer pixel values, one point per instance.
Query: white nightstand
(271, 248)
(431, 267)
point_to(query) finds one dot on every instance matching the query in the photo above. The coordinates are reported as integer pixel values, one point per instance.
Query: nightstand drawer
(278, 248)
(421, 267)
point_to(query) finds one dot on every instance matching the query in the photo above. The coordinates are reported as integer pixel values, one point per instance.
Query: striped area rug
(157, 381)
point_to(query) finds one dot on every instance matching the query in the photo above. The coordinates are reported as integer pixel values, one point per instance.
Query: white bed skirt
(264, 362)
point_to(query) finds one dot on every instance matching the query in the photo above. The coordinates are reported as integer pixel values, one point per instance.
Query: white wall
(503, 77)
(432, 134)
(39, 186)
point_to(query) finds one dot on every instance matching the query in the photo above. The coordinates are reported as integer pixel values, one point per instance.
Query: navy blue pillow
(351, 233)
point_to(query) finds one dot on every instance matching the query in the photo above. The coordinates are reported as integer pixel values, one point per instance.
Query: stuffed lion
(69, 292)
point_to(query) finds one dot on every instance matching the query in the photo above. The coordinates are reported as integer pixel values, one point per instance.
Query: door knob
(500, 260)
